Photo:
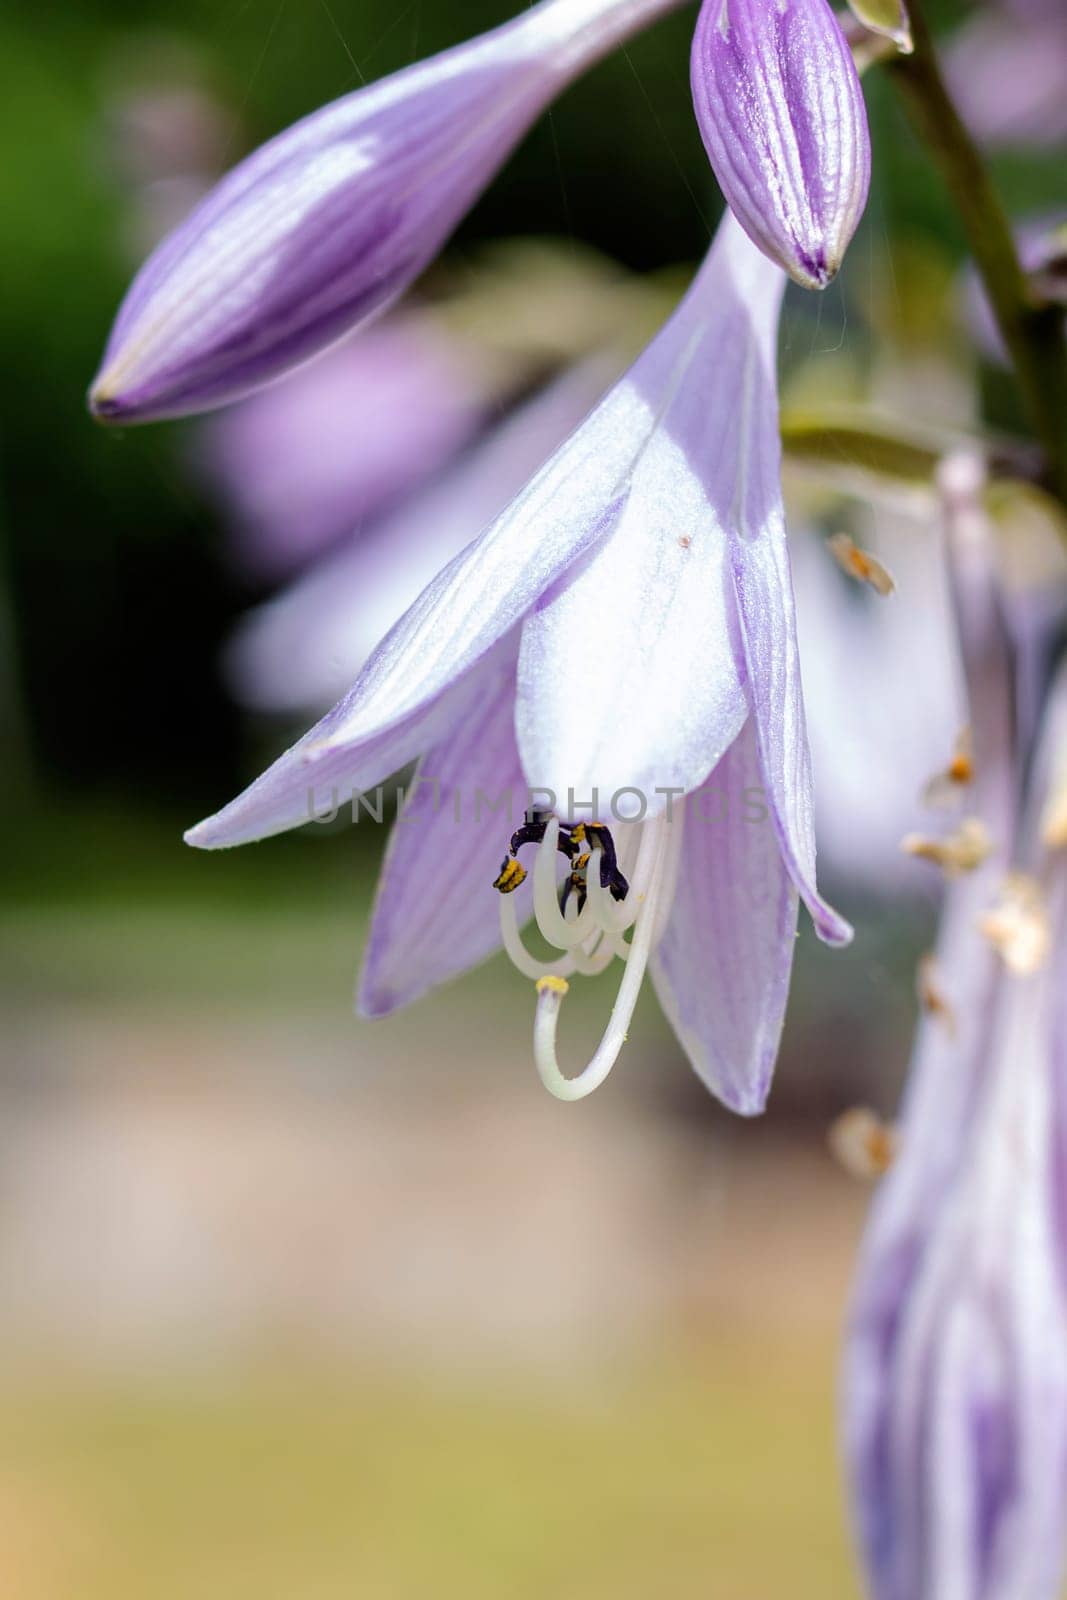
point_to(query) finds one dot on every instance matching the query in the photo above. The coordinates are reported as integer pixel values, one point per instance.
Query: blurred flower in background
(956, 1371)
(1006, 68)
(308, 461)
(165, 137)
(1042, 246)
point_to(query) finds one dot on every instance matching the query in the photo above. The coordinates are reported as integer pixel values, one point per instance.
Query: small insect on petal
(1018, 926)
(861, 565)
(957, 852)
(932, 997)
(862, 1143)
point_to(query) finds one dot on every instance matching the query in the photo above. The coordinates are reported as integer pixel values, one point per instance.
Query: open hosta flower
(781, 111)
(622, 637)
(956, 1368)
(327, 224)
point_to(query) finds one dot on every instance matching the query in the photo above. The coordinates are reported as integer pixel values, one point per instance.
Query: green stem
(1032, 333)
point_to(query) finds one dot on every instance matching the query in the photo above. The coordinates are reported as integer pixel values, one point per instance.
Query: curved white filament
(564, 934)
(528, 965)
(661, 866)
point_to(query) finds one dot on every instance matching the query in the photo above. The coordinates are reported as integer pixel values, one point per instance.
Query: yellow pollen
(943, 787)
(1018, 926)
(861, 565)
(552, 985)
(512, 874)
(957, 852)
(863, 1144)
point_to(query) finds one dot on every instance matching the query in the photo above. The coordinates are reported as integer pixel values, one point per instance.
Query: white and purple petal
(642, 632)
(301, 650)
(426, 666)
(722, 968)
(315, 779)
(435, 910)
(749, 499)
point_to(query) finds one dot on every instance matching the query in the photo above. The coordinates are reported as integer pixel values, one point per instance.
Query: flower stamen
(962, 851)
(1018, 926)
(588, 920)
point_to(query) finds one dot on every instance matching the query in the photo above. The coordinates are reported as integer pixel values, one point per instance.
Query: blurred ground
(273, 1483)
(295, 1306)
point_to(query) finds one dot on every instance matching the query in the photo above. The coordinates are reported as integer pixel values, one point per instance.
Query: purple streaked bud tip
(315, 233)
(781, 112)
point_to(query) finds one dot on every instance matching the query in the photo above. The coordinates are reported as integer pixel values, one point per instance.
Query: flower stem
(1032, 332)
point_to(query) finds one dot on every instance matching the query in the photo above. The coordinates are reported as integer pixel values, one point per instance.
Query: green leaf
(853, 445)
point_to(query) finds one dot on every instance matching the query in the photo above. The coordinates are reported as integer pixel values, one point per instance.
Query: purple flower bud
(327, 224)
(781, 111)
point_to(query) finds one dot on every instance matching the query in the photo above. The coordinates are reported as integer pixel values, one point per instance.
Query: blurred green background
(290, 1304)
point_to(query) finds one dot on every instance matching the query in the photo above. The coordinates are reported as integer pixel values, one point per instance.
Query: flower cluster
(626, 623)
(589, 648)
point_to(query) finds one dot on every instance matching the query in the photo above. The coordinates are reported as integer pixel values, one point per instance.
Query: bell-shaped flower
(621, 638)
(781, 111)
(328, 223)
(955, 1389)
